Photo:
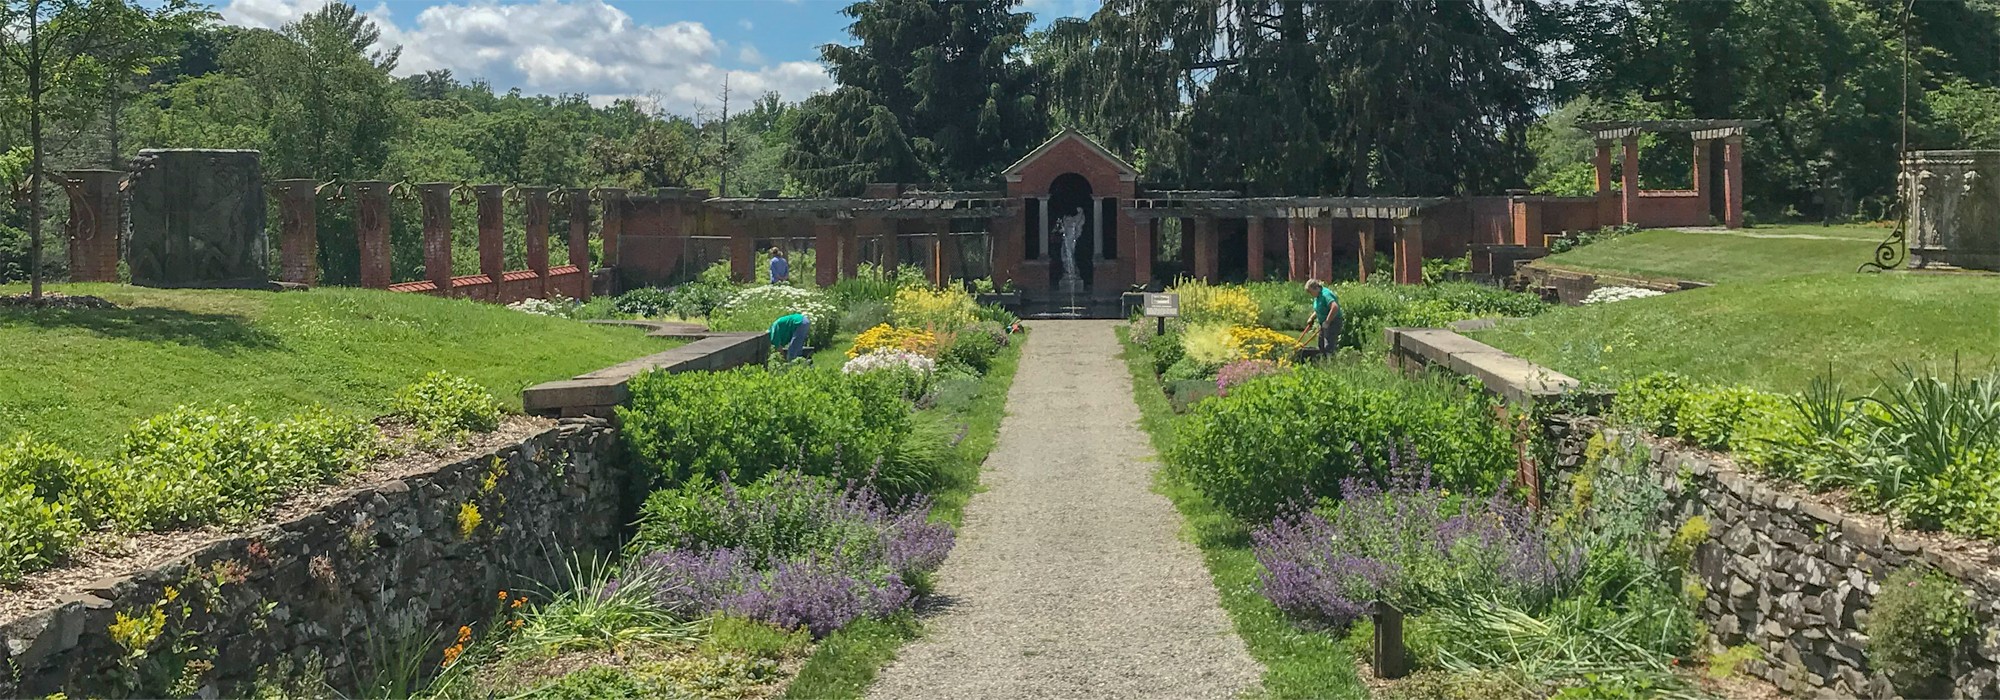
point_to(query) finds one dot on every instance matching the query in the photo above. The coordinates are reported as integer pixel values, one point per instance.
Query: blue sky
(673, 52)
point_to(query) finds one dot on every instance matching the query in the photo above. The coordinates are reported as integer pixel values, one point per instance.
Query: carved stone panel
(1954, 208)
(197, 219)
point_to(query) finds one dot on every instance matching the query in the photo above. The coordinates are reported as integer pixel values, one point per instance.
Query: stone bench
(1512, 378)
(596, 393)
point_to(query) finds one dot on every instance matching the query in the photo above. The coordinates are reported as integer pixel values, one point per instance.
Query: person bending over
(789, 332)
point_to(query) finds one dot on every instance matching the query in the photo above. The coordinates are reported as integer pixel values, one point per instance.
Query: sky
(674, 51)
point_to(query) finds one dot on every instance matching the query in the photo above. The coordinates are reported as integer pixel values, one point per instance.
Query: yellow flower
(172, 593)
(887, 337)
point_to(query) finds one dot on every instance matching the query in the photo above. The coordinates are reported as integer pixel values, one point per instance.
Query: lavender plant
(792, 550)
(1407, 543)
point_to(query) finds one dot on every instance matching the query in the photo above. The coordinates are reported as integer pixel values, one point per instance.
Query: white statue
(1072, 231)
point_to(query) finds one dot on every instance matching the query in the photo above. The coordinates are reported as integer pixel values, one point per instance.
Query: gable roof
(1126, 172)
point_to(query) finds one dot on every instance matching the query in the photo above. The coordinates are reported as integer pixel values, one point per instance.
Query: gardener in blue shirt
(789, 332)
(781, 269)
(1326, 315)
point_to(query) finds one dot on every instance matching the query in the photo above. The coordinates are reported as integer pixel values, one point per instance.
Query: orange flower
(451, 654)
(503, 595)
(464, 634)
(518, 602)
(516, 624)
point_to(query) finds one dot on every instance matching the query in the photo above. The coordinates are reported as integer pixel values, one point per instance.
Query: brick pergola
(1311, 225)
(839, 224)
(1670, 207)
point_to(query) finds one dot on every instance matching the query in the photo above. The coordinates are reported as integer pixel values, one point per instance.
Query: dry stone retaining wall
(384, 564)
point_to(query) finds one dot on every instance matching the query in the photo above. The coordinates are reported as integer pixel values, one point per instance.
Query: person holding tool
(1325, 316)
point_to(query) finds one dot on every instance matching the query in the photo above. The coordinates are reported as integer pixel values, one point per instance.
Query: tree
(71, 57)
(946, 80)
(1397, 96)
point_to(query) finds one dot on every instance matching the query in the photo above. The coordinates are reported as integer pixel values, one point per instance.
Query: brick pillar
(1009, 245)
(1322, 248)
(535, 225)
(435, 198)
(742, 247)
(1298, 250)
(371, 231)
(1628, 209)
(1410, 251)
(1526, 217)
(614, 222)
(1254, 242)
(1144, 232)
(850, 249)
(492, 240)
(1206, 249)
(1732, 181)
(826, 251)
(298, 227)
(1365, 235)
(1702, 191)
(579, 236)
(96, 220)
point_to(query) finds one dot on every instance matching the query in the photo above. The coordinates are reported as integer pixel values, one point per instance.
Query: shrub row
(196, 466)
(1298, 436)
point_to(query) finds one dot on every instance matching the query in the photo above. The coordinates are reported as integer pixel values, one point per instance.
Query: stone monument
(197, 219)
(1072, 230)
(1953, 208)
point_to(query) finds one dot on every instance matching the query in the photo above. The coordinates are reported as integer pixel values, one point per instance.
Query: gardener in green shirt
(789, 332)
(1326, 315)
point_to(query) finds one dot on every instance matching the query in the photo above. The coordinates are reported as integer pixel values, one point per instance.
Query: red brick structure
(96, 220)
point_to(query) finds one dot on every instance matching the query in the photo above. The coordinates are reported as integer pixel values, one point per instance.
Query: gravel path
(1070, 579)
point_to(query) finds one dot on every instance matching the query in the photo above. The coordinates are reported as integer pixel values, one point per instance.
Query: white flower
(888, 359)
(1605, 295)
(555, 305)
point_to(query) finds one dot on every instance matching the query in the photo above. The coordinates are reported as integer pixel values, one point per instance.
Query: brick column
(742, 247)
(850, 249)
(826, 251)
(614, 222)
(1254, 242)
(298, 227)
(1702, 191)
(1010, 244)
(1144, 232)
(1732, 181)
(1298, 250)
(492, 240)
(96, 220)
(1322, 248)
(1526, 217)
(1410, 251)
(1603, 164)
(1206, 248)
(435, 198)
(1628, 209)
(371, 231)
(1365, 234)
(579, 236)
(535, 220)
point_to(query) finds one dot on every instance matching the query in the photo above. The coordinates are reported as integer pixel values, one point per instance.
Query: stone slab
(596, 393)
(1515, 379)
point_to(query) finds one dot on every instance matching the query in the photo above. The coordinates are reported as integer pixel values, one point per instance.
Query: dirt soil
(1070, 578)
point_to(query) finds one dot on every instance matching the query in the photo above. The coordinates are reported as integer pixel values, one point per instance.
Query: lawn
(1774, 334)
(80, 378)
(1727, 256)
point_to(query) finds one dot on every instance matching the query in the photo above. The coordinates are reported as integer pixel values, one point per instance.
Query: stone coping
(596, 393)
(1512, 378)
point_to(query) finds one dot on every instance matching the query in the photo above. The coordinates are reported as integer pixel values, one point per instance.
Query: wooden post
(1732, 182)
(1629, 202)
(1392, 657)
(1366, 233)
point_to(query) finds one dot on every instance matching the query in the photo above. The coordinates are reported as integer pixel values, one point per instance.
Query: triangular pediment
(1126, 172)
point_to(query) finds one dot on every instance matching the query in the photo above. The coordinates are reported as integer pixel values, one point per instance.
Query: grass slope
(845, 663)
(1775, 334)
(1297, 663)
(1726, 257)
(80, 378)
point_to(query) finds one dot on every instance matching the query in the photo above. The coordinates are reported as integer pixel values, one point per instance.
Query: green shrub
(916, 463)
(597, 683)
(644, 302)
(745, 422)
(443, 404)
(57, 476)
(1920, 622)
(868, 285)
(994, 313)
(973, 348)
(865, 313)
(955, 391)
(1278, 439)
(193, 466)
(34, 533)
(1653, 402)
(1185, 393)
(1281, 305)
(1711, 418)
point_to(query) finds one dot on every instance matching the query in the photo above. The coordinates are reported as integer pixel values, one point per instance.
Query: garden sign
(1162, 306)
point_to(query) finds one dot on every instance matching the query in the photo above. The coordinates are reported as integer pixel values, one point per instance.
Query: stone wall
(1795, 576)
(380, 566)
(1572, 286)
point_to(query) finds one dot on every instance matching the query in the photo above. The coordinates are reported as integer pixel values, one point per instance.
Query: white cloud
(565, 46)
(746, 24)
